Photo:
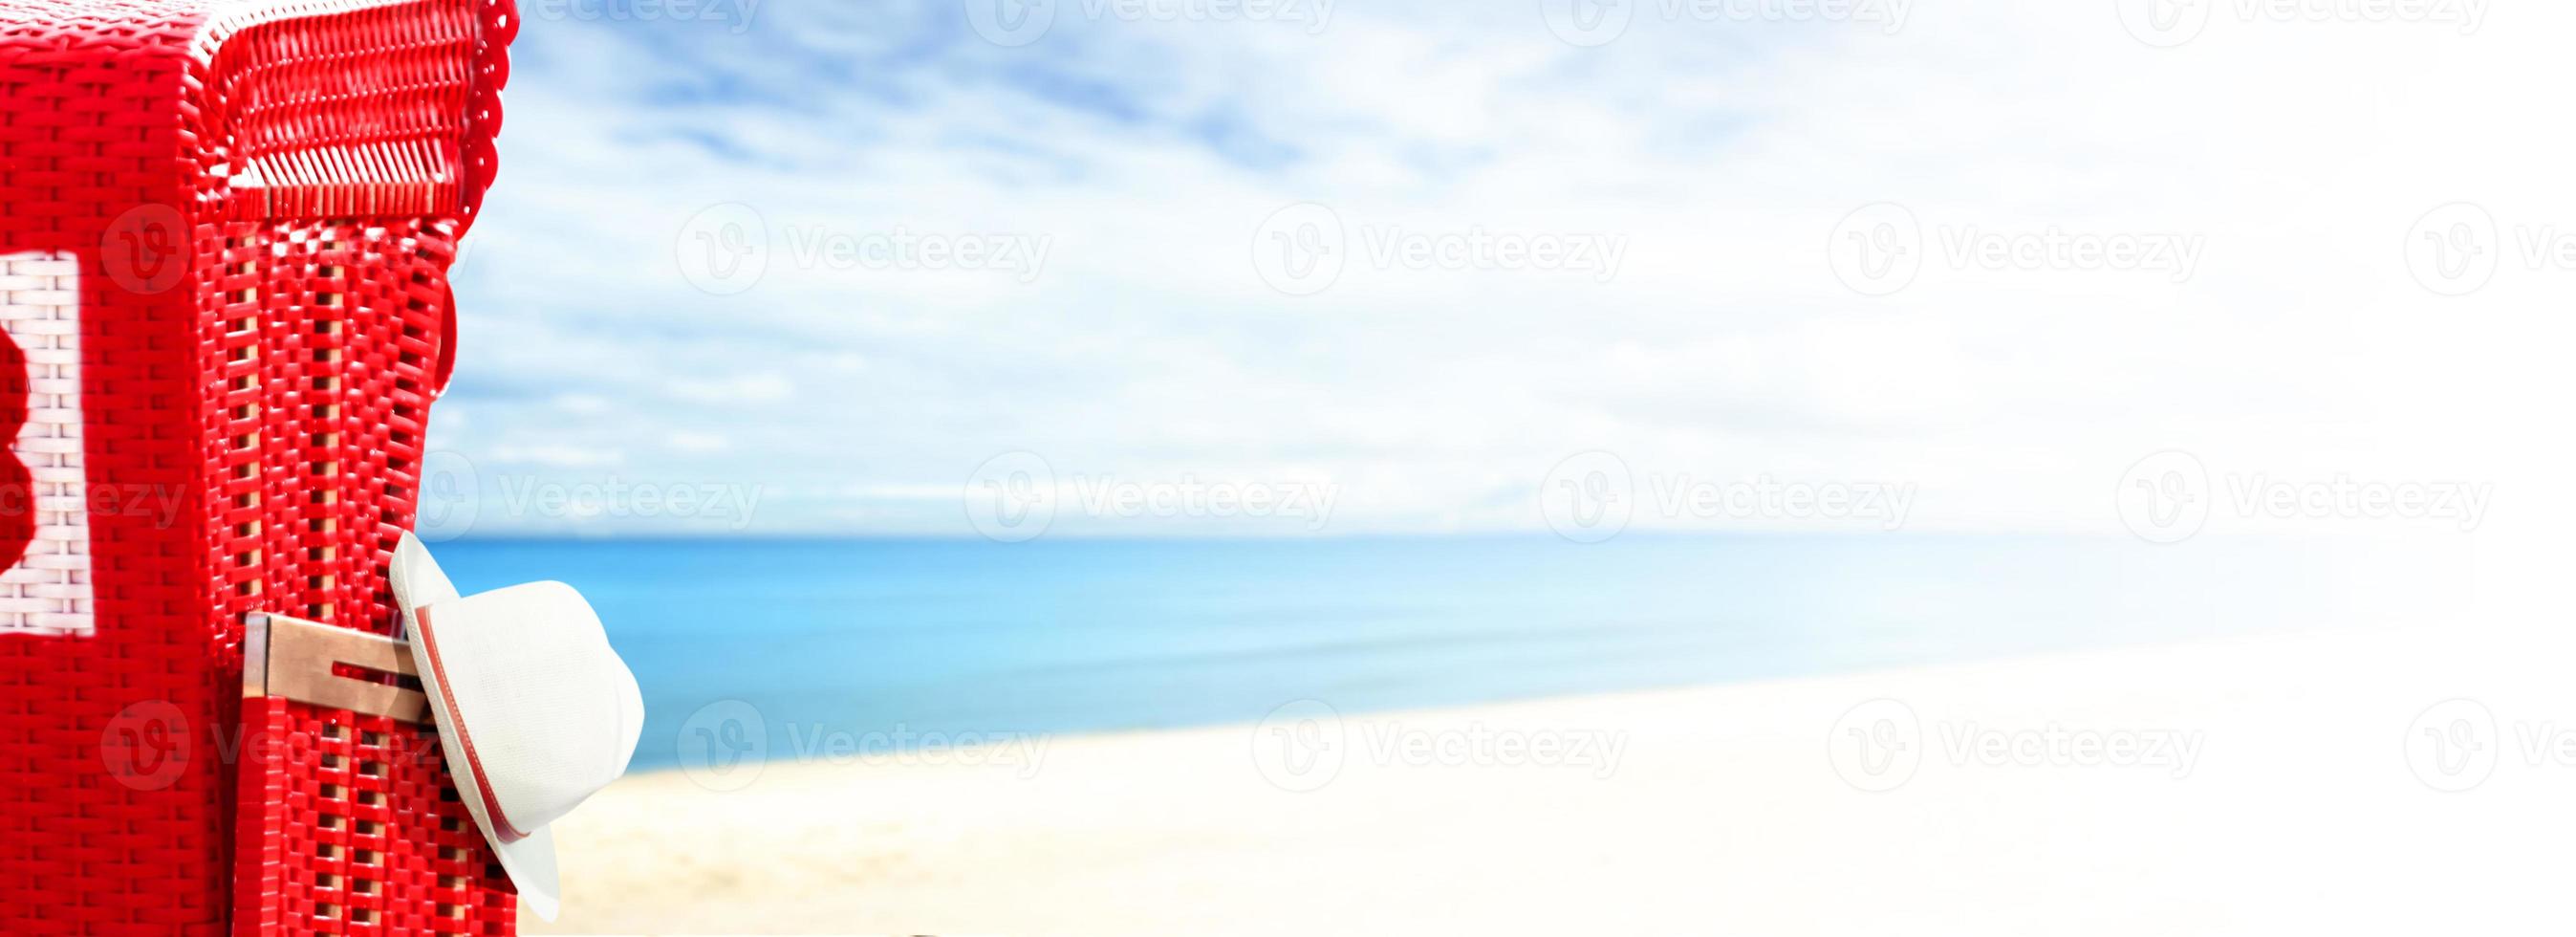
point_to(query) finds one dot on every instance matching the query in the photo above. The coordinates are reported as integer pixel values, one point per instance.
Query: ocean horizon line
(1389, 536)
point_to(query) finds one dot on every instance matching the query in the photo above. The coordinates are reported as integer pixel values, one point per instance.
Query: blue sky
(1123, 177)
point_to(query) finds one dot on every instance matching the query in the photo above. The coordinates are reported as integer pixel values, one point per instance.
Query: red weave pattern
(364, 833)
(337, 326)
(252, 431)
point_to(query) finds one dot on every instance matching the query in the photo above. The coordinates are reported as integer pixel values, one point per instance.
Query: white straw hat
(535, 711)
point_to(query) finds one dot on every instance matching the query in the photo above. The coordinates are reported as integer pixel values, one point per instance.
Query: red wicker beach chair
(228, 225)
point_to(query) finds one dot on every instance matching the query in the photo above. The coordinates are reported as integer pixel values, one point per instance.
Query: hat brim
(530, 861)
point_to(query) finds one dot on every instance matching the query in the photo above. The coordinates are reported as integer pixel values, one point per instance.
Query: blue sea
(1068, 635)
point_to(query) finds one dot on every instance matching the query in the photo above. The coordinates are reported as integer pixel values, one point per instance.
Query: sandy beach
(2270, 785)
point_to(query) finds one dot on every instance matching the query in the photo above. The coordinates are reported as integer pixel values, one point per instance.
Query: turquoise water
(1063, 635)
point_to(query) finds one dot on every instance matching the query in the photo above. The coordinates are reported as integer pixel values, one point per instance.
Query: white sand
(1724, 812)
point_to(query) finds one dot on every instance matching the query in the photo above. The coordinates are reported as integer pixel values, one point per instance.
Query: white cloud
(765, 387)
(554, 455)
(582, 404)
(1724, 154)
(696, 442)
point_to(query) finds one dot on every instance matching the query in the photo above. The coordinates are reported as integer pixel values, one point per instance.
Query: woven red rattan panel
(223, 286)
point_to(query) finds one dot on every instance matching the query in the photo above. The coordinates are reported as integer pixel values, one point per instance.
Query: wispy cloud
(1128, 165)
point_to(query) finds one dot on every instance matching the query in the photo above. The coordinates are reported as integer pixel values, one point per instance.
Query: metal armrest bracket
(299, 660)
